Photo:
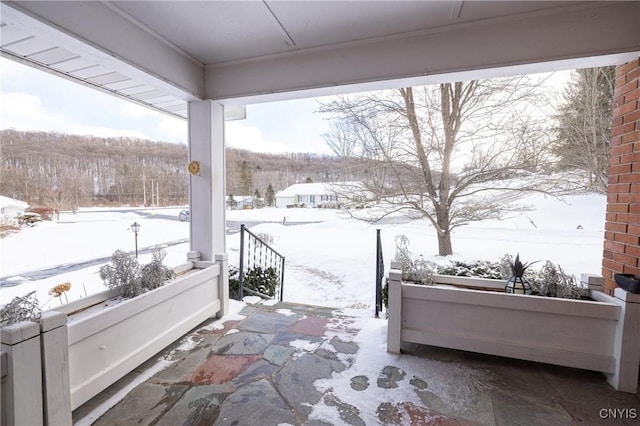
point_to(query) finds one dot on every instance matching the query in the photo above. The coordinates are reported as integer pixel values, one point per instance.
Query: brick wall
(622, 226)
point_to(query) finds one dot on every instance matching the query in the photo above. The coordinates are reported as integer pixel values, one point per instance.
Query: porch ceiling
(164, 54)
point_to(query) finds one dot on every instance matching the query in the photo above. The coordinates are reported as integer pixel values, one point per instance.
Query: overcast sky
(31, 99)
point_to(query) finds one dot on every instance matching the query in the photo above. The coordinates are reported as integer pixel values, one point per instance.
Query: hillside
(68, 171)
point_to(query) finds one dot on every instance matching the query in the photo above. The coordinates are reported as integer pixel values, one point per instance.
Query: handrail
(269, 261)
(379, 273)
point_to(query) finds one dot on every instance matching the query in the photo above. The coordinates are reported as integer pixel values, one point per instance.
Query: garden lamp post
(135, 227)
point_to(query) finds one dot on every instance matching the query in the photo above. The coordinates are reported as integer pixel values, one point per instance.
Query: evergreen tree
(308, 180)
(270, 196)
(257, 194)
(231, 202)
(583, 129)
(246, 177)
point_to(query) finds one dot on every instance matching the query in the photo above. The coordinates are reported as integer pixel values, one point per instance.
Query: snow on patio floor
(295, 364)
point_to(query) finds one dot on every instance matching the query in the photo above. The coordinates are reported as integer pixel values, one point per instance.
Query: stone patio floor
(303, 365)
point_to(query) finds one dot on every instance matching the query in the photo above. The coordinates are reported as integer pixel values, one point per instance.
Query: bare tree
(453, 153)
(584, 125)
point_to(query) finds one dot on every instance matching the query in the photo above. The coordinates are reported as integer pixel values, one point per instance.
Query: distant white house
(11, 208)
(326, 194)
(243, 202)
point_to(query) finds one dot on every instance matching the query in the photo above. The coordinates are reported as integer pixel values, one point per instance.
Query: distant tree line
(64, 172)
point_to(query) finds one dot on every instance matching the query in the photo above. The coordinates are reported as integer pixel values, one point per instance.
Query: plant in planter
(126, 274)
(552, 281)
(21, 308)
(517, 283)
(414, 269)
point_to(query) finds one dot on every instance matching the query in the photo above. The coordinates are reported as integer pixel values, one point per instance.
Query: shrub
(479, 269)
(126, 274)
(21, 308)
(414, 269)
(264, 281)
(155, 274)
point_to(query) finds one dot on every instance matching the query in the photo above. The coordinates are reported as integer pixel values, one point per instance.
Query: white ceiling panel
(91, 71)
(53, 56)
(105, 79)
(29, 46)
(73, 64)
(10, 34)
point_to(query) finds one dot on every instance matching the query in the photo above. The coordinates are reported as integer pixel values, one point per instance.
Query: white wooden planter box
(109, 343)
(82, 348)
(601, 335)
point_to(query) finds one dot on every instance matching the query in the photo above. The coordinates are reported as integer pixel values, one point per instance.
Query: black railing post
(282, 279)
(241, 267)
(379, 273)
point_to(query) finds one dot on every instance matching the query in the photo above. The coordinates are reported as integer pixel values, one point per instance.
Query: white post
(626, 348)
(223, 283)
(22, 390)
(207, 188)
(394, 324)
(55, 368)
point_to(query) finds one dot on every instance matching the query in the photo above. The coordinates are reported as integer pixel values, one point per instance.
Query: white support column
(55, 368)
(207, 188)
(22, 390)
(394, 324)
(626, 348)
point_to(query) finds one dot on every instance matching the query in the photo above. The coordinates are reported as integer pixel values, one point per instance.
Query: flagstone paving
(265, 370)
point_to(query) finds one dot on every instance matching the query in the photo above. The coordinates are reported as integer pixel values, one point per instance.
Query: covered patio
(205, 61)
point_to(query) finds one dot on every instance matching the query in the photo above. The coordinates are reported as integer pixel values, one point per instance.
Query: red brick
(612, 265)
(632, 75)
(635, 167)
(622, 148)
(634, 157)
(630, 269)
(629, 178)
(633, 229)
(631, 136)
(613, 198)
(626, 68)
(627, 218)
(620, 169)
(613, 179)
(628, 118)
(609, 235)
(614, 247)
(626, 88)
(636, 146)
(615, 227)
(628, 198)
(610, 217)
(627, 239)
(632, 95)
(617, 208)
(616, 140)
(624, 109)
(625, 259)
(634, 208)
(632, 250)
(618, 100)
(619, 188)
(617, 121)
(607, 254)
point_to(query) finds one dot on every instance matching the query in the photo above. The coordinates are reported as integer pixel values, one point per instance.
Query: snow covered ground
(330, 258)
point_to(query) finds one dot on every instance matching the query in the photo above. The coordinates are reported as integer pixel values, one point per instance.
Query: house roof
(317, 188)
(6, 202)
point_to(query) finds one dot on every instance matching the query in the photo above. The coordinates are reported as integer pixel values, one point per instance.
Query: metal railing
(379, 273)
(261, 269)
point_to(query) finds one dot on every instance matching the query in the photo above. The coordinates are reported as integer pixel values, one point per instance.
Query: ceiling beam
(558, 39)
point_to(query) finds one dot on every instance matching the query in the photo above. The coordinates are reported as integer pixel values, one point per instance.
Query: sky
(31, 99)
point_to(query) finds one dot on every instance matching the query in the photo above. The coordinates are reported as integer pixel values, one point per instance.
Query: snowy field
(330, 258)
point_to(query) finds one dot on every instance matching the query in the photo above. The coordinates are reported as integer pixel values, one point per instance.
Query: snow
(330, 257)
